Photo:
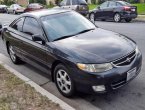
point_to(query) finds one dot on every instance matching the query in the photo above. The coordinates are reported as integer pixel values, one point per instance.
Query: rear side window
(118, 4)
(104, 5)
(31, 26)
(18, 25)
(112, 4)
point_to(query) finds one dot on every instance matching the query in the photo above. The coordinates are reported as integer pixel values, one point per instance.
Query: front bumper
(112, 79)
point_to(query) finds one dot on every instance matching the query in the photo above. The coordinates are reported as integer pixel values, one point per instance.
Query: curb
(39, 89)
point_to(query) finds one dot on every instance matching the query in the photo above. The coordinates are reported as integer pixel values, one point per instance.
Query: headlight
(137, 50)
(95, 67)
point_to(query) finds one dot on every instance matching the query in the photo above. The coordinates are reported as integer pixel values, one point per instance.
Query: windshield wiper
(86, 30)
(63, 37)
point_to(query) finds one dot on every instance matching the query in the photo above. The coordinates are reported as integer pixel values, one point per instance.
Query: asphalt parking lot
(129, 97)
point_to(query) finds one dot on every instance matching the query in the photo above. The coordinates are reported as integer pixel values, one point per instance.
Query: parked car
(77, 55)
(33, 7)
(116, 10)
(15, 9)
(3, 8)
(78, 5)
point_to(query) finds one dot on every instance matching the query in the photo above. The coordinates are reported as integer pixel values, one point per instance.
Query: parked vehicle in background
(3, 8)
(77, 55)
(80, 6)
(15, 9)
(116, 10)
(33, 7)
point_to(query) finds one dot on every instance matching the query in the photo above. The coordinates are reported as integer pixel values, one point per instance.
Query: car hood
(96, 46)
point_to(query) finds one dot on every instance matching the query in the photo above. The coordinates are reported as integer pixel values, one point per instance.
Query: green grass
(140, 7)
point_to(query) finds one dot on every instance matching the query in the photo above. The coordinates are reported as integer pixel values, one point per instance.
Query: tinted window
(19, 24)
(118, 4)
(112, 4)
(104, 5)
(124, 3)
(31, 26)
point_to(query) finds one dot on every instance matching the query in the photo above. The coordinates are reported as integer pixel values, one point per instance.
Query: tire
(128, 20)
(92, 17)
(63, 81)
(117, 17)
(14, 12)
(13, 57)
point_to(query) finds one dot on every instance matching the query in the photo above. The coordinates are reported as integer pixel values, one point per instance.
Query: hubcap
(92, 17)
(63, 81)
(117, 17)
(12, 54)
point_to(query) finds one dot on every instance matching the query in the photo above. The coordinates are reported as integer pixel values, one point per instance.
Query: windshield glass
(65, 24)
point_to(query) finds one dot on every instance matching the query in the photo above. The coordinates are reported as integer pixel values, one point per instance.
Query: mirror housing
(38, 37)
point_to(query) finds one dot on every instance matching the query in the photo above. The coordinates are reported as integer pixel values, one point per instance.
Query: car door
(14, 32)
(100, 12)
(111, 8)
(34, 52)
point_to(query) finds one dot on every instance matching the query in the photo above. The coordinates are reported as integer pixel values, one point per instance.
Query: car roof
(44, 12)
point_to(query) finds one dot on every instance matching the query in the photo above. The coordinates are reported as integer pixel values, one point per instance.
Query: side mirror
(38, 37)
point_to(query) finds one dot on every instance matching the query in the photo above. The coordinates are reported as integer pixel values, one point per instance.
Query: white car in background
(15, 9)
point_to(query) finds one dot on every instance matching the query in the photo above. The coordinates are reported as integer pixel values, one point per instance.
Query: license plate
(131, 73)
(132, 9)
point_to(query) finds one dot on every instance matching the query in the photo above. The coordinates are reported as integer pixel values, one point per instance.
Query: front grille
(118, 84)
(125, 60)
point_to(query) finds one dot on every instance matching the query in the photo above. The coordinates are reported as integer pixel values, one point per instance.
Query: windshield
(65, 24)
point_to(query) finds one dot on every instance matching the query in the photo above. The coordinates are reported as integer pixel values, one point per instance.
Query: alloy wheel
(92, 17)
(63, 81)
(12, 53)
(117, 17)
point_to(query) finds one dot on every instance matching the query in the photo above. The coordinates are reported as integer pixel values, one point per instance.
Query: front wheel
(13, 56)
(63, 81)
(117, 17)
(128, 20)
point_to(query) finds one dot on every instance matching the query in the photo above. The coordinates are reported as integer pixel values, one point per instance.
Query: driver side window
(31, 26)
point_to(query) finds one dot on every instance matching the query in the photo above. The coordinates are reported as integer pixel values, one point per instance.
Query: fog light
(100, 88)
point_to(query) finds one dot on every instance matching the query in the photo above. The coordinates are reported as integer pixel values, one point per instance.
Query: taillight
(126, 8)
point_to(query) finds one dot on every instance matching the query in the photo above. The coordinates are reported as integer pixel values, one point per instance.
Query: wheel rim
(63, 81)
(117, 17)
(12, 54)
(92, 17)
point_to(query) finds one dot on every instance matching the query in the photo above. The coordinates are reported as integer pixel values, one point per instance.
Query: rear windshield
(124, 3)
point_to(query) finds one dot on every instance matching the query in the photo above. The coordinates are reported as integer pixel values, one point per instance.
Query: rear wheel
(14, 12)
(64, 81)
(117, 17)
(92, 17)
(14, 58)
(128, 20)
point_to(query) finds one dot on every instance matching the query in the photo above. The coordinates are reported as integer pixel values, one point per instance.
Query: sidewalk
(141, 18)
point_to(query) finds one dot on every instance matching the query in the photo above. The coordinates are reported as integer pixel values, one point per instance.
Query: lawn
(140, 8)
(17, 95)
